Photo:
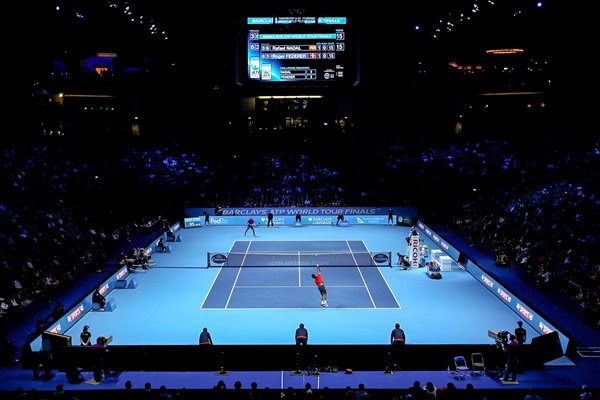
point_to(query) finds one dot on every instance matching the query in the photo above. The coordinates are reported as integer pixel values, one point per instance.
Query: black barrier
(515, 392)
(284, 357)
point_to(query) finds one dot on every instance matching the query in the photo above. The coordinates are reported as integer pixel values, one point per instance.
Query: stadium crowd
(66, 212)
(63, 210)
(252, 391)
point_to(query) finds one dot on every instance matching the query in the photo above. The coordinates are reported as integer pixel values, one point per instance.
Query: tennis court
(277, 274)
(179, 296)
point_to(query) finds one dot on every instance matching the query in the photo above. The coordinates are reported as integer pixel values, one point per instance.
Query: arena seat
(126, 284)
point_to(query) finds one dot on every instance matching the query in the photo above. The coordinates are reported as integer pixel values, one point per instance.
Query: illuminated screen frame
(306, 51)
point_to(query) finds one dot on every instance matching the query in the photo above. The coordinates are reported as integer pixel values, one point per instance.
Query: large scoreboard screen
(300, 49)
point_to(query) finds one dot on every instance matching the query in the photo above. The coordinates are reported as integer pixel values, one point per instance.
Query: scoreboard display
(299, 49)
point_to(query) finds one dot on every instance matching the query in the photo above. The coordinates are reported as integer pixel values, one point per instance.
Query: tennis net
(299, 259)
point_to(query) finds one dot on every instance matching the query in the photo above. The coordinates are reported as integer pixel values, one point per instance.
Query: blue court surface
(246, 302)
(277, 274)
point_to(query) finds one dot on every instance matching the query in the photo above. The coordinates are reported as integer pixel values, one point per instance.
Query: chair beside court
(477, 364)
(461, 368)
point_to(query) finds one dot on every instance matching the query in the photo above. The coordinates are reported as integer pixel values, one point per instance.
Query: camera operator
(499, 354)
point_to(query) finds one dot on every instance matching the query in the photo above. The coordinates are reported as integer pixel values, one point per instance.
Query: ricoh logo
(415, 249)
(191, 222)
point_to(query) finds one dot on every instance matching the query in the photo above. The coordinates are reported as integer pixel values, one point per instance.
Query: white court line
(214, 280)
(385, 280)
(237, 277)
(361, 275)
(299, 270)
(232, 244)
(233, 287)
(389, 288)
(210, 288)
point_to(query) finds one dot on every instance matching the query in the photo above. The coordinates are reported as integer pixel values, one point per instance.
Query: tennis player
(250, 226)
(321, 285)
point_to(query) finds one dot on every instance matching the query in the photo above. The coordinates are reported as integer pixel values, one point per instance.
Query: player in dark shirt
(161, 245)
(205, 337)
(512, 355)
(301, 335)
(397, 336)
(85, 337)
(520, 333)
(270, 219)
(98, 298)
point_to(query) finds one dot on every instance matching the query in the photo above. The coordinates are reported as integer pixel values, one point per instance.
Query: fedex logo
(524, 312)
(176, 227)
(437, 239)
(427, 231)
(148, 251)
(122, 273)
(444, 245)
(103, 289)
(545, 328)
(56, 329)
(421, 226)
(503, 295)
(75, 314)
(487, 281)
